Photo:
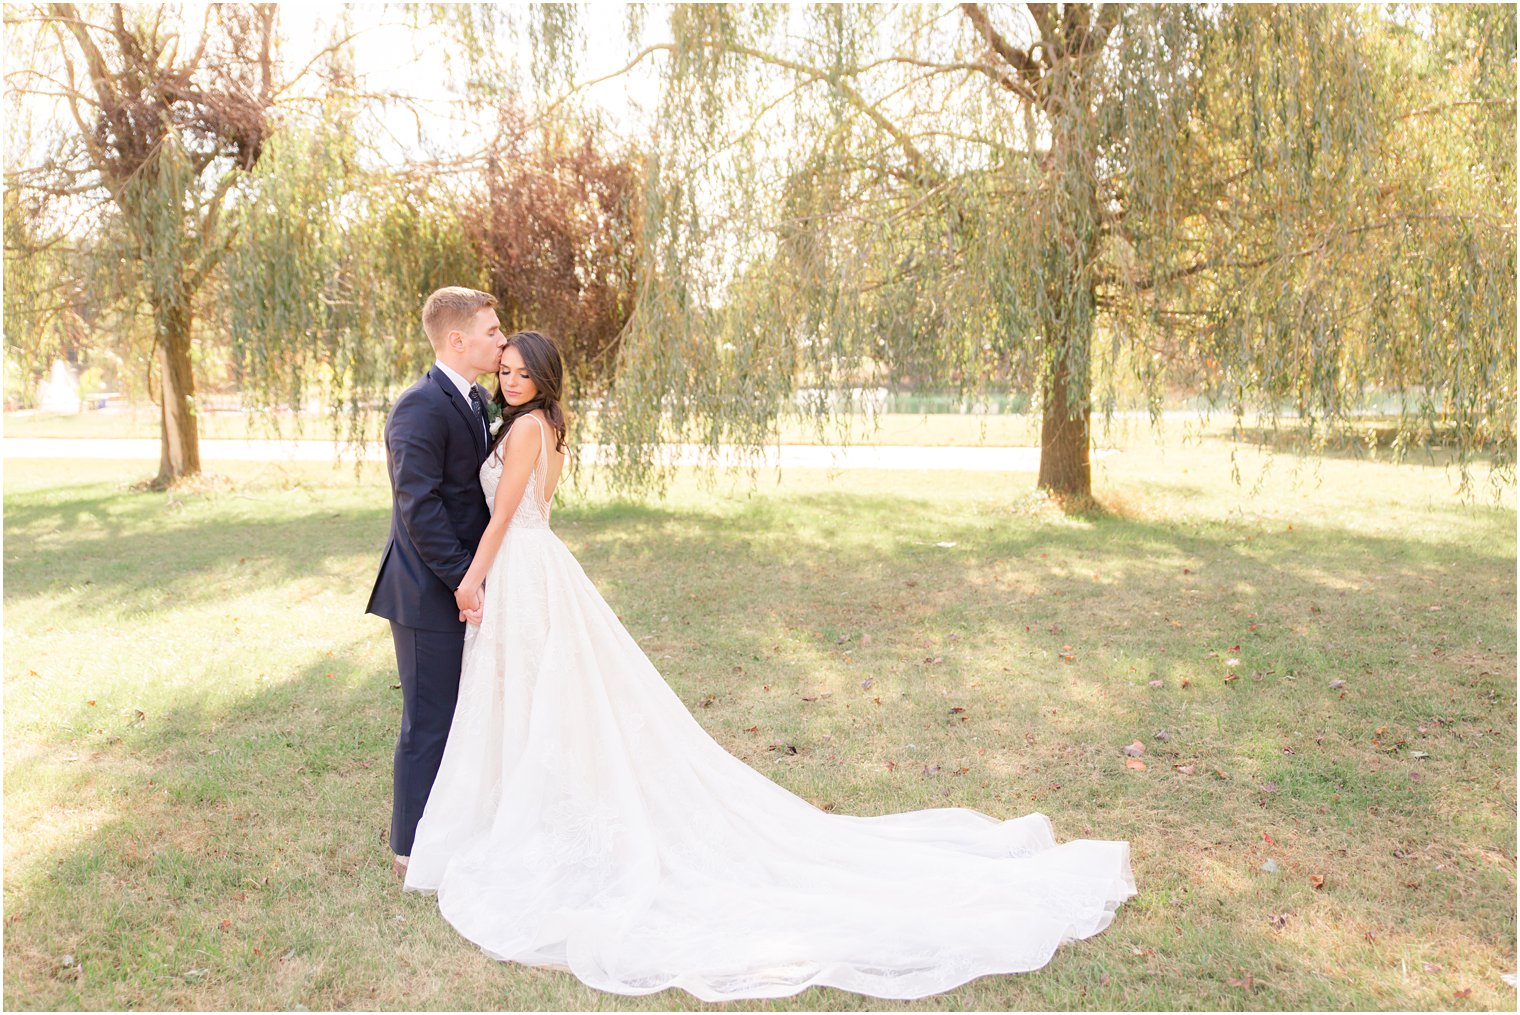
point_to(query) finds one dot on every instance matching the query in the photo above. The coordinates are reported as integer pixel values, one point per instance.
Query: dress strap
(541, 469)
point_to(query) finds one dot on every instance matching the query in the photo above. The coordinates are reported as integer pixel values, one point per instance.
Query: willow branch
(1019, 59)
(926, 172)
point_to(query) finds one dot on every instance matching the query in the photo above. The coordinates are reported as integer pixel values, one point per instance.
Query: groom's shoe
(398, 867)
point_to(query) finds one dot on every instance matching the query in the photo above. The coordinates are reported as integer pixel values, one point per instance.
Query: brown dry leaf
(1186, 769)
(1134, 750)
(1156, 685)
(1134, 764)
(1317, 880)
(1245, 983)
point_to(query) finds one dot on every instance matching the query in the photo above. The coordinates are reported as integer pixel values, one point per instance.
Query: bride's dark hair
(547, 371)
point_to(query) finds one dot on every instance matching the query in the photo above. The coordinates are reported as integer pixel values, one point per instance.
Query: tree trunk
(1065, 463)
(1070, 308)
(179, 445)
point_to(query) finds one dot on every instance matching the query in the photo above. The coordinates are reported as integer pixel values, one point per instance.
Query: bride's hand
(470, 602)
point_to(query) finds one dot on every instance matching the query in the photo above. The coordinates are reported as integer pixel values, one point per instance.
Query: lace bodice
(533, 510)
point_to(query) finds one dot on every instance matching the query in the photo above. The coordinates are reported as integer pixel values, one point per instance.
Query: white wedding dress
(583, 819)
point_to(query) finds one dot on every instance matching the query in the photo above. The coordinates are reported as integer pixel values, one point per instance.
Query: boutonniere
(493, 417)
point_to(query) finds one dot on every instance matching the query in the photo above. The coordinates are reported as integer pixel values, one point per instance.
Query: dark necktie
(480, 411)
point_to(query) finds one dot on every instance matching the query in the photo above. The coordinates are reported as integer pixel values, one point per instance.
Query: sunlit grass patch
(199, 720)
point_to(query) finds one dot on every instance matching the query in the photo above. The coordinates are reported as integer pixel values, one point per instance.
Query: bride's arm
(520, 455)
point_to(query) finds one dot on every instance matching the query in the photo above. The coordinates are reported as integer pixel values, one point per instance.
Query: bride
(582, 819)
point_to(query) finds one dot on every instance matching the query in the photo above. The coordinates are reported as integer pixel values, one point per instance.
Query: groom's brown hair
(452, 307)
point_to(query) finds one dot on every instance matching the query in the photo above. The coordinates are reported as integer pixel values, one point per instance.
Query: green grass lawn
(199, 719)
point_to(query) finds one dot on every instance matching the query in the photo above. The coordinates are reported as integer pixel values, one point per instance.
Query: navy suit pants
(428, 662)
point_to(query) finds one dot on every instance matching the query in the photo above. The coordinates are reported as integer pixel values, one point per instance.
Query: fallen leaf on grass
(1134, 750)
(865, 685)
(1465, 992)
(1156, 685)
(1245, 983)
(1279, 920)
(1317, 880)
(1336, 685)
(1163, 736)
(1186, 769)
(1134, 764)
(1230, 678)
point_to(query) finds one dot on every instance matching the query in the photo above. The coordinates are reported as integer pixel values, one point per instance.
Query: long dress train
(583, 819)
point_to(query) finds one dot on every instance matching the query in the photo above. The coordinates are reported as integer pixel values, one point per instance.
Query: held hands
(470, 602)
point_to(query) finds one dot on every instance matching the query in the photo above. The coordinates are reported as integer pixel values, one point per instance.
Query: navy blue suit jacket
(434, 447)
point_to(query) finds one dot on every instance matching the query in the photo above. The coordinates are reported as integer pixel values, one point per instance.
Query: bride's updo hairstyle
(541, 356)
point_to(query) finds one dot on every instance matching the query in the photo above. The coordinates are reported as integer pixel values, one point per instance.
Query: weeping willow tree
(325, 286)
(337, 253)
(158, 119)
(1288, 207)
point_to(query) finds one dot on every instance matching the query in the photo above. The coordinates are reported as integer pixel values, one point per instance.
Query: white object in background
(60, 391)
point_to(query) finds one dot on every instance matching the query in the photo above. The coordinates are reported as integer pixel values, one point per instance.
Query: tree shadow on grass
(270, 812)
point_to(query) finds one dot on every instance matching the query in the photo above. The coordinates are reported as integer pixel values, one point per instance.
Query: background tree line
(1282, 208)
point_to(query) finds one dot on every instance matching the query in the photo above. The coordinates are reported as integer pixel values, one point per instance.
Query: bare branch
(1017, 58)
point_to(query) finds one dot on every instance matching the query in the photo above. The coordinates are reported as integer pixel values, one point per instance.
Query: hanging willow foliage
(326, 283)
(1289, 208)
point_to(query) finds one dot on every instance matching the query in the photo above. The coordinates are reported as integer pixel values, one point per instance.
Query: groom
(435, 442)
